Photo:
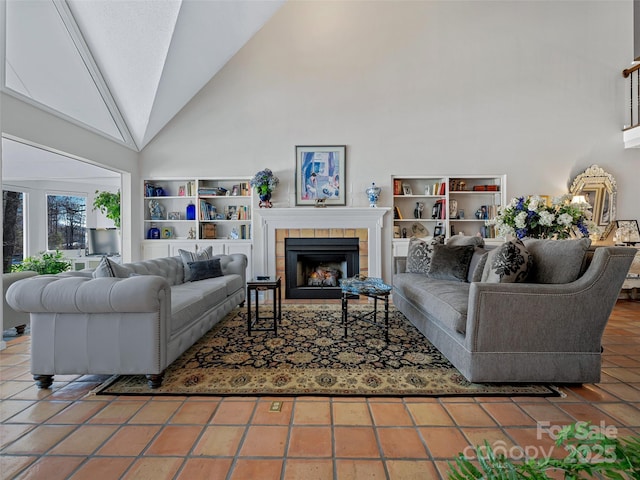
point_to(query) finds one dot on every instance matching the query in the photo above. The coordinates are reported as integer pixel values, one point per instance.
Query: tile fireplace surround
(280, 223)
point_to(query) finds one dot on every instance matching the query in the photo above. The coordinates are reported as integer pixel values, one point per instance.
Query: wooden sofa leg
(154, 381)
(43, 381)
(20, 329)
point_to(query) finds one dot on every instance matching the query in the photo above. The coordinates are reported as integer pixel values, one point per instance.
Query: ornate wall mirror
(599, 188)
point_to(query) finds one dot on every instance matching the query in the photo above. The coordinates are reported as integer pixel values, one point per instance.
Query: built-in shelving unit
(425, 206)
(194, 213)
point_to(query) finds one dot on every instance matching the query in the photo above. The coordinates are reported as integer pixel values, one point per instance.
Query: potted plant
(265, 183)
(44, 263)
(109, 204)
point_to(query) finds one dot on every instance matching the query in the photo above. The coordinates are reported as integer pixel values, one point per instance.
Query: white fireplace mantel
(273, 219)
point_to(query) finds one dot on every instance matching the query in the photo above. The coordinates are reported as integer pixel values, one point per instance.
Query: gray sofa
(518, 332)
(134, 325)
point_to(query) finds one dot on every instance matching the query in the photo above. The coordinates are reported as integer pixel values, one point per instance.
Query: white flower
(534, 203)
(546, 218)
(565, 219)
(521, 219)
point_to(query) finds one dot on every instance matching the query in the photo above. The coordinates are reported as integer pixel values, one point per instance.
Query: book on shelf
(207, 210)
(397, 186)
(397, 215)
(190, 188)
(244, 189)
(443, 188)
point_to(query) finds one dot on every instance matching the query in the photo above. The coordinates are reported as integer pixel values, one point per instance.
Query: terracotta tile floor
(67, 433)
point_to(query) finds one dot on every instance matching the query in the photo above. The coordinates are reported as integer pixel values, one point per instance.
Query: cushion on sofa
(419, 253)
(478, 261)
(474, 240)
(556, 261)
(205, 269)
(109, 268)
(444, 302)
(187, 256)
(507, 263)
(450, 262)
(189, 304)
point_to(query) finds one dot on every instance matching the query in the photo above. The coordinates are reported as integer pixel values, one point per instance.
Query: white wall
(530, 89)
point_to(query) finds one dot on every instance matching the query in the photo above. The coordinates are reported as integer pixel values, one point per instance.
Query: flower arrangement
(264, 182)
(532, 217)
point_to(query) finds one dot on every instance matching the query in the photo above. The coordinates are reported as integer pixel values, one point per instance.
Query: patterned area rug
(310, 356)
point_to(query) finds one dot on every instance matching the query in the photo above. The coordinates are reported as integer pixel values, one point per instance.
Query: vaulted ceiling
(123, 68)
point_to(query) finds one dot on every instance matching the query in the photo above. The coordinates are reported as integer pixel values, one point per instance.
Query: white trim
(329, 217)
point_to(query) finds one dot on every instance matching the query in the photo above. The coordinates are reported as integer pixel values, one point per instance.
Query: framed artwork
(437, 230)
(174, 216)
(167, 232)
(631, 231)
(406, 189)
(320, 174)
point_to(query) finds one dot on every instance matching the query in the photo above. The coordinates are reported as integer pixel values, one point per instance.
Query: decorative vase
(153, 233)
(265, 200)
(191, 212)
(373, 193)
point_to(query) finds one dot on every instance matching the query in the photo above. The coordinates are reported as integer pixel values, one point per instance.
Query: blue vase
(191, 212)
(265, 200)
(153, 233)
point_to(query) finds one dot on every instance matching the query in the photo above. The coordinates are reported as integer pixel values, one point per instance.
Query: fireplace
(314, 266)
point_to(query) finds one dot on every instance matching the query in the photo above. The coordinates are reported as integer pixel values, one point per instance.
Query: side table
(370, 287)
(257, 286)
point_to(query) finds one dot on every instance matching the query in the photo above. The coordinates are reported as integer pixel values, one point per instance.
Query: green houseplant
(109, 204)
(590, 454)
(44, 263)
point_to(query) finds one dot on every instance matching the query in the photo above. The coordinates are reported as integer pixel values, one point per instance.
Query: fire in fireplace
(314, 266)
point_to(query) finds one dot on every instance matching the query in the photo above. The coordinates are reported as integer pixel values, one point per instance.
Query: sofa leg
(154, 381)
(43, 381)
(20, 329)
(241, 304)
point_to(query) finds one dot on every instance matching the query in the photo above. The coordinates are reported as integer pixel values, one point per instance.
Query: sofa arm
(524, 317)
(234, 263)
(63, 294)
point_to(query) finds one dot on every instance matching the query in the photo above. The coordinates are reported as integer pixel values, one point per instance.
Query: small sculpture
(192, 234)
(417, 212)
(156, 210)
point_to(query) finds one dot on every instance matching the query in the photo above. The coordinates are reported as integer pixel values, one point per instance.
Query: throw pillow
(109, 268)
(205, 269)
(419, 253)
(474, 240)
(507, 263)
(187, 256)
(450, 262)
(477, 272)
(557, 261)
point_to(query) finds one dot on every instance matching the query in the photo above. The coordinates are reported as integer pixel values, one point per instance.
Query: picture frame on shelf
(406, 189)
(235, 190)
(461, 213)
(181, 191)
(173, 216)
(320, 174)
(631, 227)
(166, 233)
(438, 230)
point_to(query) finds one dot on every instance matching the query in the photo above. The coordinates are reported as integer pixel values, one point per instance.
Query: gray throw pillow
(556, 261)
(419, 253)
(187, 256)
(450, 262)
(205, 269)
(479, 268)
(109, 268)
(507, 263)
(474, 240)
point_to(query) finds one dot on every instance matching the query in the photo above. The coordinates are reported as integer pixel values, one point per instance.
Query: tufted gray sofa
(518, 332)
(134, 325)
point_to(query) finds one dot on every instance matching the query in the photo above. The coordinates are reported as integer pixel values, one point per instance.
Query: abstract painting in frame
(320, 174)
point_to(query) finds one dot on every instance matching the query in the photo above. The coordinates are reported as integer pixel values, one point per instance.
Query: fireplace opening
(314, 266)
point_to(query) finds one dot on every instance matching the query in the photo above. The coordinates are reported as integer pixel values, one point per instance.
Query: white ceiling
(121, 68)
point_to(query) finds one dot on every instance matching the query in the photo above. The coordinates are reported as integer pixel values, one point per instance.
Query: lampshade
(579, 199)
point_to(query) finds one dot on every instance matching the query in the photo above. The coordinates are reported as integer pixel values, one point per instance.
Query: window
(66, 222)
(13, 229)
